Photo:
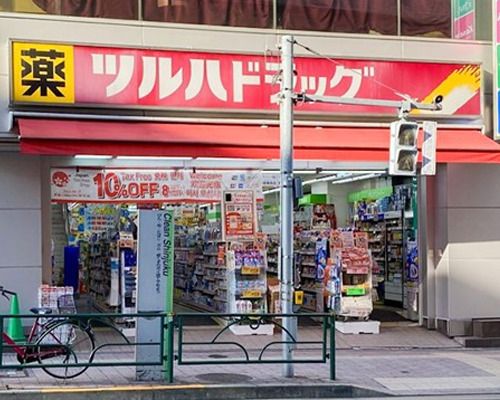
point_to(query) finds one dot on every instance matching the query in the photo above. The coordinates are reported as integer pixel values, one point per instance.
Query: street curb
(195, 392)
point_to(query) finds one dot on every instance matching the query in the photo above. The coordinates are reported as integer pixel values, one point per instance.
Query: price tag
(253, 294)
(246, 270)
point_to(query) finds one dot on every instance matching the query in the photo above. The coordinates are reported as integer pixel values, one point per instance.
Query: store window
(244, 13)
(118, 9)
(360, 16)
(455, 19)
(429, 18)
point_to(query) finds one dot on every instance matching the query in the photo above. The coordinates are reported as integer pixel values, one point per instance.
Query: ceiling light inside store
(92, 157)
(356, 178)
(152, 158)
(271, 191)
(344, 177)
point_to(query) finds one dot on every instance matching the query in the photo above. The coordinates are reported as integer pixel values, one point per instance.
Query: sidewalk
(402, 360)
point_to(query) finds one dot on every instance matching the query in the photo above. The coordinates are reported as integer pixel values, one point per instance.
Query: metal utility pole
(286, 197)
(287, 99)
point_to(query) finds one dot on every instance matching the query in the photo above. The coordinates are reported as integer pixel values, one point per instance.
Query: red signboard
(214, 81)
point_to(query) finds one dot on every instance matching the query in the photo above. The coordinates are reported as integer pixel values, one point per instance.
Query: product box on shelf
(247, 287)
(352, 269)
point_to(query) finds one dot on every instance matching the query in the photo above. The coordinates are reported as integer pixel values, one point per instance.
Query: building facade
(459, 207)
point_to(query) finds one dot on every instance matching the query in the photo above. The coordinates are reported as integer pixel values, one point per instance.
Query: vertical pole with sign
(155, 266)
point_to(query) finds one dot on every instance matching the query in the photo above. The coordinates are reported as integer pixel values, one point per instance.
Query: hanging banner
(147, 186)
(239, 214)
(58, 74)
(464, 19)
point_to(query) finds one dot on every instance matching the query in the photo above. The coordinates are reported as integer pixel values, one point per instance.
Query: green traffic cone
(14, 325)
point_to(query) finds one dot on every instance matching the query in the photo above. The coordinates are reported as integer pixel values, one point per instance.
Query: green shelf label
(355, 291)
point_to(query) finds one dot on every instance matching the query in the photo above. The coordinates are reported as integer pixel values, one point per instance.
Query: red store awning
(363, 144)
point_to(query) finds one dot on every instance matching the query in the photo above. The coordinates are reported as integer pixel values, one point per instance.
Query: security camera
(438, 99)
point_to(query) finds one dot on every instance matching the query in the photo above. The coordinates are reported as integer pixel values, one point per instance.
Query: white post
(286, 197)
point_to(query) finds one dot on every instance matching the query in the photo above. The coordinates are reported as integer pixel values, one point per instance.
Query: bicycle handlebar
(6, 293)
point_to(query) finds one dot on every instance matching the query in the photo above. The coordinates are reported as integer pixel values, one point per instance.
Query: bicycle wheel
(62, 346)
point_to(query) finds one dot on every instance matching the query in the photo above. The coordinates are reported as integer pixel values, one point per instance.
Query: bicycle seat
(41, 310)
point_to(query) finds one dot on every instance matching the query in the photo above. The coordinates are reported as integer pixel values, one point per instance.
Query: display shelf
(128, 272)
(310, 265)
(249, 289)
(350, 280)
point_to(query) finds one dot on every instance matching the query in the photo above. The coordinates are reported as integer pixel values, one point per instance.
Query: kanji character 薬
(46, 70)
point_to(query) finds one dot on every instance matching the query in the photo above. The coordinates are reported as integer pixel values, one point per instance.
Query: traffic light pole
(287, 100)
(286, 199)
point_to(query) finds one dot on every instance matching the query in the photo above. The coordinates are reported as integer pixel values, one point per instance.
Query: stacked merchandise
(99, 264)
(200, 272)
(247, 283)
(412, 280)
(188, 254)
(272, 245)
(352, 263)
(60, 299)
(54, 297)
(311, 262)
(128, 261)
(214, 278)
(387, 220)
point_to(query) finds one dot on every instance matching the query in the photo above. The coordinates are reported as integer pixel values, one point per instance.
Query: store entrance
(226, 252)
(369, 210)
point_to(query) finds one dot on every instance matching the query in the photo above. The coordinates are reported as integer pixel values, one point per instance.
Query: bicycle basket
(66, 304)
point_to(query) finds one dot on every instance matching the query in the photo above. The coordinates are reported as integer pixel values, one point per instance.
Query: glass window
(350, 16)
(244, 13)
(120, 9)
(431, 18)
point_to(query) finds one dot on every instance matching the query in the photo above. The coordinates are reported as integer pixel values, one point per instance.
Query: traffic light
(403, 152)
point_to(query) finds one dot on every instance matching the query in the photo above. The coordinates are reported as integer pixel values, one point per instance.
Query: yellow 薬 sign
(43, 73)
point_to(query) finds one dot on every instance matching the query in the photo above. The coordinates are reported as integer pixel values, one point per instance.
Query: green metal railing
(254, 322)
(109, 342)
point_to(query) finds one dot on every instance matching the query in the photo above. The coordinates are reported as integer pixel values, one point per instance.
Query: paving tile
(402, 359)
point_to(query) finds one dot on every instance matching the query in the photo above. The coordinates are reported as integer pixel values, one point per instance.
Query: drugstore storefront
(333, 154)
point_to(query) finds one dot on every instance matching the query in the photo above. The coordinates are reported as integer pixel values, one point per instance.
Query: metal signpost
(154, 290)
(287, 99)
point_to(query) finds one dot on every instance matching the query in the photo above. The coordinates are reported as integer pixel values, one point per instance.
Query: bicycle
(56, 344)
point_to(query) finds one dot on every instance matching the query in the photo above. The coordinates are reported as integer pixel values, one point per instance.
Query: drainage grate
(224, 378)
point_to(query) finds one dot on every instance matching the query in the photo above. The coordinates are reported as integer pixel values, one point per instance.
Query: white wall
(467, 245)
(20, 228)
